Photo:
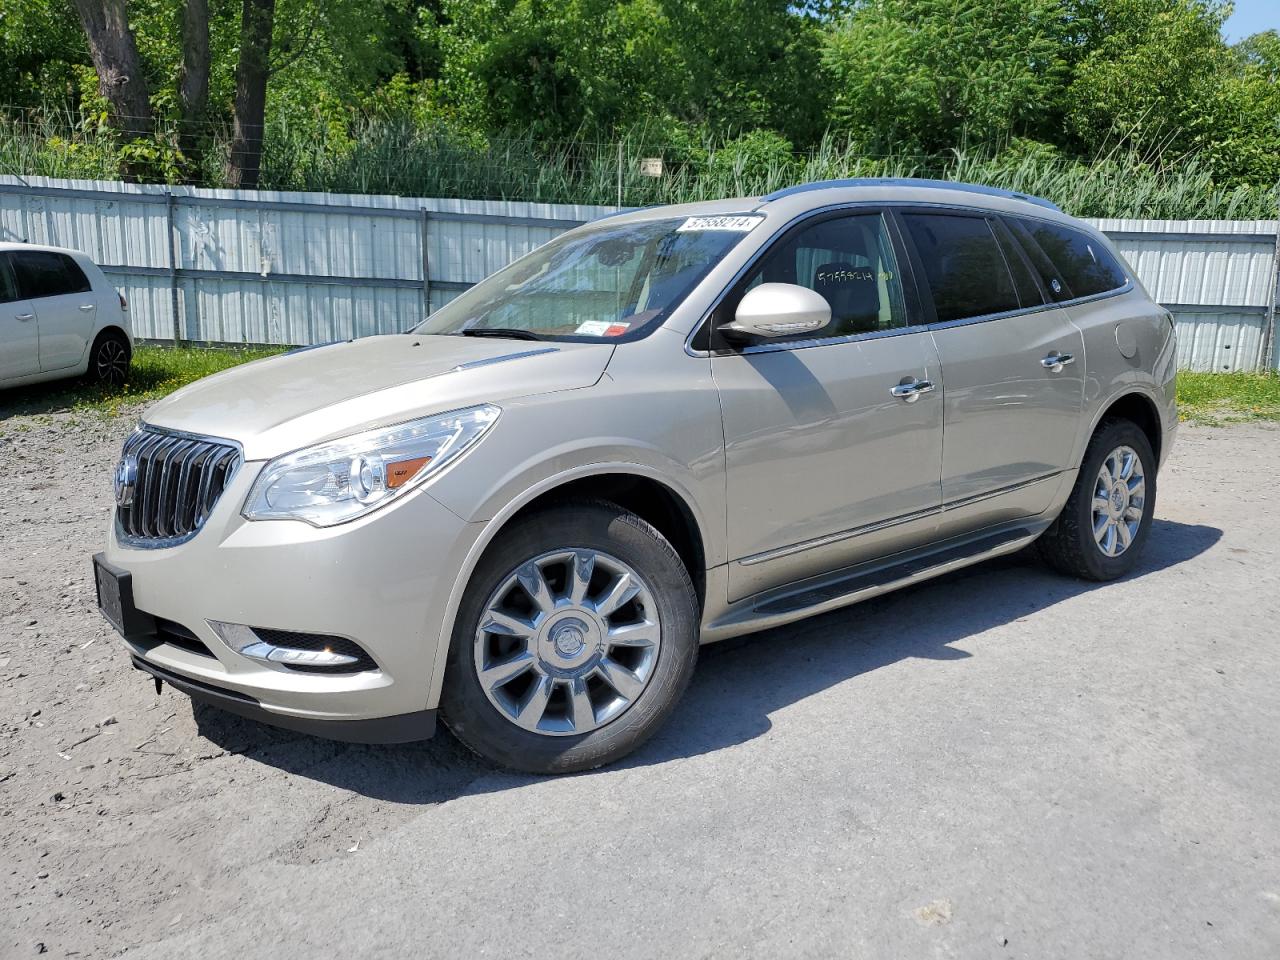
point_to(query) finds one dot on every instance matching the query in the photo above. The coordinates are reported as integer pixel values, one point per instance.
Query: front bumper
(405, 728)
(382, 581)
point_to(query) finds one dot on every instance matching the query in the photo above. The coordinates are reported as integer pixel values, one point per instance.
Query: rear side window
(1085, 266)
(42, 273)
(963, 265)
(8, 289)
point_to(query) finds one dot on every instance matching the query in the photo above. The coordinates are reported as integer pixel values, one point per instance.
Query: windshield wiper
(510, 333)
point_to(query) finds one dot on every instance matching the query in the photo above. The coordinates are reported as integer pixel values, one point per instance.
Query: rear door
(1014, 369)
(64, 301)
(19, 333)
(827, 467)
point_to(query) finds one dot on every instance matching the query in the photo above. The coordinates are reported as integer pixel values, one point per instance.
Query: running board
(787, 604)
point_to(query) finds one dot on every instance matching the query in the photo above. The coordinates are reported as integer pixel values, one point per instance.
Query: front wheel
(1102, 529)
(575, 639)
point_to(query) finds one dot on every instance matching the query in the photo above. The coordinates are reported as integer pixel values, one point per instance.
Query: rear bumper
(404, 728)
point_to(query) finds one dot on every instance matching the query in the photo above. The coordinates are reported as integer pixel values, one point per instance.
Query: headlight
(344, 479)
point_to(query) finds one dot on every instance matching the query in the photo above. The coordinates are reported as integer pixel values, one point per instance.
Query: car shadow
(58, 396)
(738, 683)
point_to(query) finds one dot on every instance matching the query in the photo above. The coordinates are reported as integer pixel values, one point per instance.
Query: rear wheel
(1102, 529)
(575, 639)
(109, 359)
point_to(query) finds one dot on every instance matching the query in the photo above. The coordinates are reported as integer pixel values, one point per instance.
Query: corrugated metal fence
(229, 266)
(1218, 279)
(226, 266)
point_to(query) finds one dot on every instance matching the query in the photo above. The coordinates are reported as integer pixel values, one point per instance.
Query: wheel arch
(630, 485)
(1139, 408)
(86, 361)
(107, 328)
(650, 499)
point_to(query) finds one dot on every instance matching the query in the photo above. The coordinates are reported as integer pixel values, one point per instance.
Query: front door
(826, 466)
(19, 332)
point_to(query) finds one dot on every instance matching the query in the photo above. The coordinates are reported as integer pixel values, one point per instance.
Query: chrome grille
(168, 484)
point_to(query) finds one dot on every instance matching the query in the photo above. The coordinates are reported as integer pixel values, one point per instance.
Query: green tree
(1156, 75)
(41, 47)
(121, 79)
(1145, 64)
(1240, 134)
(1262, 50)
(927, 75)
(559, 69)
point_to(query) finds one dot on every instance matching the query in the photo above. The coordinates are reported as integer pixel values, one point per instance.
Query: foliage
(40, 47)
(1108, 104)
(925, 75)
(401, 155)
(555, 67)
(1160, 78)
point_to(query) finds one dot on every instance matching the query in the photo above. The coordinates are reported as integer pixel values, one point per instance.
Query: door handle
(1054, 362)
(24, 317)
(86, 307)
(910, 390)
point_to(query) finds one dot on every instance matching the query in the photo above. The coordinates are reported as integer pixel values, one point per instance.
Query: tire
(1071, 545)
(565, 710)
(109, 359)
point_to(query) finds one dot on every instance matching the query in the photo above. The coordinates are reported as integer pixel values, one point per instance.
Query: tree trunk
(115, 57)
(193, 79)
(251, 92)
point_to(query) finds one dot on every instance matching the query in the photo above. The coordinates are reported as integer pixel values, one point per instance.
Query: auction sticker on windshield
(602, 328)
(739, 223)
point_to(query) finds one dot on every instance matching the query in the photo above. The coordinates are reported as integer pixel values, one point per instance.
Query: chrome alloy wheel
(567, 642)
(1118, 498)
(112, 362)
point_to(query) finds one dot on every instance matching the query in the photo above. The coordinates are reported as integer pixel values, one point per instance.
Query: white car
(59, 317)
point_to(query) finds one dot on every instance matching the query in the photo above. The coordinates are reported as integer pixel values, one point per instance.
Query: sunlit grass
(1214, 398)
(156, 372)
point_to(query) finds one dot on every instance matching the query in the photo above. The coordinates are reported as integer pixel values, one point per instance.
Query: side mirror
(777, 310)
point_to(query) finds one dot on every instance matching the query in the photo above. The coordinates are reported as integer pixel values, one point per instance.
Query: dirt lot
(1002, 763)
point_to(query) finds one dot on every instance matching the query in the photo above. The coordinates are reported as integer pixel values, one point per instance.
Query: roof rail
(614, 213)
(910, 182)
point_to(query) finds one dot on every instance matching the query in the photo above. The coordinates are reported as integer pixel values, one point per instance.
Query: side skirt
(841, 588)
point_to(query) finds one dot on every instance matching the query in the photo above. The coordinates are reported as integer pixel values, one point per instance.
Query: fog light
(316, 658)
(245, 642)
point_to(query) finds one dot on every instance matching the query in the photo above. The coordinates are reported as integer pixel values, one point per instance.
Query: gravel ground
(1001, 763)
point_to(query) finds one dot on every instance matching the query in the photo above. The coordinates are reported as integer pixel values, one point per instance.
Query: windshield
(608, 282)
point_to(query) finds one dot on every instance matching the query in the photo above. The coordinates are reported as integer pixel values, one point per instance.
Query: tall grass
(57, 144)
(397, 156)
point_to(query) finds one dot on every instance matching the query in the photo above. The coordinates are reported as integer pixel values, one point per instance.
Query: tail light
(124, 304)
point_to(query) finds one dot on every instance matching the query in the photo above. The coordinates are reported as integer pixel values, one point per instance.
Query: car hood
(315, 394)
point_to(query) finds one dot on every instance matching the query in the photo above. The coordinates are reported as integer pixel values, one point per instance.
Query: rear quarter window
(44, 273)
(1084, 264)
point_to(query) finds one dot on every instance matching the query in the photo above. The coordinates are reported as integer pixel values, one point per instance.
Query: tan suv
(663, 428)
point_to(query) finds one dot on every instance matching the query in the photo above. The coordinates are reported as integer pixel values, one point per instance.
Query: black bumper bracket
(403, 728)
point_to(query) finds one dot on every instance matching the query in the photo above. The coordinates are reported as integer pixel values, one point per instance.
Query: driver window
(850, 261)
